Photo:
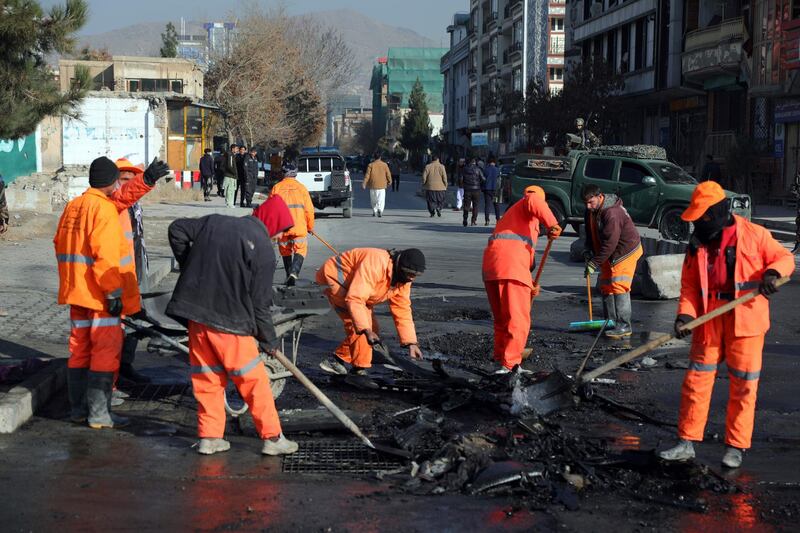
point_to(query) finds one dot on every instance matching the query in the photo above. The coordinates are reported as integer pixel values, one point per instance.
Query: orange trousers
(95, 340)
(617, 279)
(743, 358)
(511, 307)
(354, 349)
(293, 245)
(214, 356)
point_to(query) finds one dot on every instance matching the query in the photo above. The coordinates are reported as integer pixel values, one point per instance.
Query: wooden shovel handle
(655, 343)
(544, 259)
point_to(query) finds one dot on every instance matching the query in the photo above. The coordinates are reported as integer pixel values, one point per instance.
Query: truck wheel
(347, 211)
(673, 227)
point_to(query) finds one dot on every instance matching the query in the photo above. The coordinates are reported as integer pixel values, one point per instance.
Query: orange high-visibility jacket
(123, 198)
(299, 203)
(89, 245)
(756, 252)
(362, 279)
(511, 248)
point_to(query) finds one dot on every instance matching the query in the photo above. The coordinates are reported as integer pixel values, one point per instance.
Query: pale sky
(429, 18)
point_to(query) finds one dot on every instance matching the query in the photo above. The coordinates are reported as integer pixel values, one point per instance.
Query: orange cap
(126, 166)
(535, 189)
(704, 196)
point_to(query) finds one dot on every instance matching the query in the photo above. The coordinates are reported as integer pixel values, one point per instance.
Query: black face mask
(720, 216)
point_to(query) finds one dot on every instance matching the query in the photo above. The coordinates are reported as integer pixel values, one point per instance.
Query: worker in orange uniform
(293, 244)
(508, 262)
(728, 256)
(613, 246)
(358, 280)
(224, 316)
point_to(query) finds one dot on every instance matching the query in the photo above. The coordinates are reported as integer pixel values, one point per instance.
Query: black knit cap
(102, 173)
(412, 261)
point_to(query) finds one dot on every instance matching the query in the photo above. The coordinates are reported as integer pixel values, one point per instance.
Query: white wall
(112, 127)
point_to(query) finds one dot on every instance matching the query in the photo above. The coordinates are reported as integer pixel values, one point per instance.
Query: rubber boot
(297, 265)
(682, 452)
(287, 264)
(610, 309)
(77, 381)
(98, 398)
(622, 303)
(126, 369)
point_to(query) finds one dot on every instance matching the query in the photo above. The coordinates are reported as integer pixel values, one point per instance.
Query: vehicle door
(639, 190)
(595, 170)
(310, 175)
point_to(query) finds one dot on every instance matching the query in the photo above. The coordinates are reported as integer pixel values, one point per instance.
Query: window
(313, 165)
(557, 24)
(516, 79)
(632, 173)
(640, 44)
(599, 169)
(325, 164)
(556, 74)
(556, 44)
(133, 86)
(795, 9)
(517, 34)
(176, 86)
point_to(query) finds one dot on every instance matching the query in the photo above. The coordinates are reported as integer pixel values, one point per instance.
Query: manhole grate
(336, 457)
(152, 397)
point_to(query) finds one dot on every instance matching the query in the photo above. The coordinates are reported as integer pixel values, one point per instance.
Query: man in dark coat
(250, 177)
(207, 174)
(472, 179)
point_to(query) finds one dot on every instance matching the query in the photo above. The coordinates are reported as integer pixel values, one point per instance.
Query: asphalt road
(54, 475)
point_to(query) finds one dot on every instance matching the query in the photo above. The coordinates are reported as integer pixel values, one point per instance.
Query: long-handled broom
(591, 325)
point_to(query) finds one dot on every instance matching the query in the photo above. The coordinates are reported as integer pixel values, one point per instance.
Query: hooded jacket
(616, 237)
(227, 265)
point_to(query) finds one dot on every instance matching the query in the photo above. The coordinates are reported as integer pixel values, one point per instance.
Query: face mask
(708, 230)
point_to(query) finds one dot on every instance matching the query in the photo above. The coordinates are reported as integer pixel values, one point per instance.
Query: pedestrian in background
(250, 176)
(241, 176)
(492, 175)
(796, 191)
(377, 179)
(471, 181)
(4, 217)
(728, 256)
(207, 174)
(229, 182)
(394, 168)
(434, 183)
(457, 173)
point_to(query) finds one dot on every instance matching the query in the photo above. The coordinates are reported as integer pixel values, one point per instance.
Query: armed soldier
(583, 139)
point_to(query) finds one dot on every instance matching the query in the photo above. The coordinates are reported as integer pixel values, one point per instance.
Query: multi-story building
(211, 40)
(344, 124)
(455, 95)
(393, 78)
(337, 104)
(512, 42)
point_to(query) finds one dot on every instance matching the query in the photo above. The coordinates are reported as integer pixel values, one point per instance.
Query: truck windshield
(673, 173)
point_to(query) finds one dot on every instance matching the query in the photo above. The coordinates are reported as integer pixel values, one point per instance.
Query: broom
(591, 325)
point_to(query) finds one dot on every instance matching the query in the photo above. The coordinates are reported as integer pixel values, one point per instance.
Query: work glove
(535, 291)
(372, 337)
(157, 170)
(114, 305)
(767, 286)
(588, 255)
(680, 322)
(554, 232)
(590, 269)
(266, 348)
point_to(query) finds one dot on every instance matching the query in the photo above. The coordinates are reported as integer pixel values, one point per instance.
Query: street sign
(480, 139)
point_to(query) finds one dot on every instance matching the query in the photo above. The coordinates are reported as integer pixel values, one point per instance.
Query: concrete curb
(18, 405)
(21, 402)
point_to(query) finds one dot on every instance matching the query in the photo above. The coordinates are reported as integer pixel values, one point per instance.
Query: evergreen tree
(170, 40)
(415, 135)
(28, 90)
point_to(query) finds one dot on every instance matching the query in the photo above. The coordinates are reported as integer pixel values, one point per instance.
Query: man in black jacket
(207, 174)
(241, 176)
(471, 181)
(251, 177)
(224, 315)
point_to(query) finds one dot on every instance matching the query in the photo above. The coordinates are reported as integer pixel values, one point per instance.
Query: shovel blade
(543, 397)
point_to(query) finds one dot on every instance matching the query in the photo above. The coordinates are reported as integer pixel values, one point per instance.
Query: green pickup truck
(654, 191)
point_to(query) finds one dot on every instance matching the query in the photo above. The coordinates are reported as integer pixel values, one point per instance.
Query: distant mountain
(368, 39)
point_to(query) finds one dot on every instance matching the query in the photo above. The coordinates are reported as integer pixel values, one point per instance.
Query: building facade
(455, 94)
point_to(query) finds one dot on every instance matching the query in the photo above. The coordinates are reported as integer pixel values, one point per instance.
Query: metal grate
(336, 457)
(150, 397)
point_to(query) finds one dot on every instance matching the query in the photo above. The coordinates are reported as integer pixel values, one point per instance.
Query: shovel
(323, 241)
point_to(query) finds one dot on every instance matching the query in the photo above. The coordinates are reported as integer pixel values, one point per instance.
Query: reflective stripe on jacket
(756, 252)
(89, 245)
(510, 252)
(361, 278)
(300, 206)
